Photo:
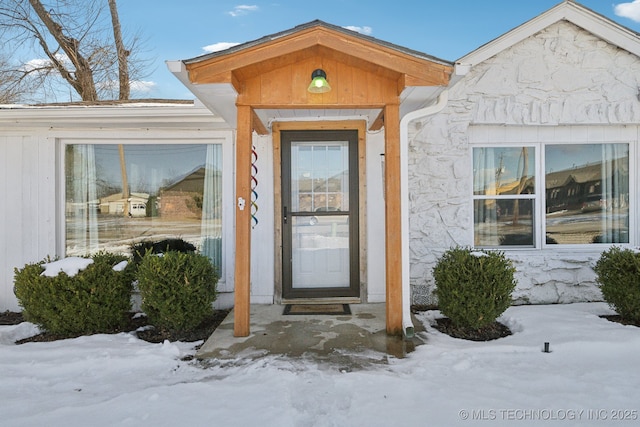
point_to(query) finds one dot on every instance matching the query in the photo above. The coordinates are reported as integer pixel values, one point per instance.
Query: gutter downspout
(443, 98)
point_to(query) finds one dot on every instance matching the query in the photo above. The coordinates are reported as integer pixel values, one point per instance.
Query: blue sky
(447, 29)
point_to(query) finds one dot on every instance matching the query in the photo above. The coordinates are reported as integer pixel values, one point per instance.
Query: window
(117, 195)
(504, 189)
(582, 196)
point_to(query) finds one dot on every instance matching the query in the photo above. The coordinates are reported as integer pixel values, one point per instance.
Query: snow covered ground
(590, 377)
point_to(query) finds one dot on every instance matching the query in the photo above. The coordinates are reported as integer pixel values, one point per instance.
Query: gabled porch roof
(357, 66)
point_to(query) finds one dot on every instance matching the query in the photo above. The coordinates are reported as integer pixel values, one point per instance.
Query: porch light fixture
(319, 82)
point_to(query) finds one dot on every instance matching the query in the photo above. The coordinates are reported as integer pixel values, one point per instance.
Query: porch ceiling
(268, 116)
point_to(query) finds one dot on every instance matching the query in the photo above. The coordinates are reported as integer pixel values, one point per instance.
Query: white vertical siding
(262, 237)
(376, 283)
(27, 207)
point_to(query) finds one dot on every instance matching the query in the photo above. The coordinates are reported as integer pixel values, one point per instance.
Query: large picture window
(117, 195)
(582, 191)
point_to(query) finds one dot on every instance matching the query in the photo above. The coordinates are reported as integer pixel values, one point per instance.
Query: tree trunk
(125, 181)
(123, 54)
(124, 93)
(521, 184)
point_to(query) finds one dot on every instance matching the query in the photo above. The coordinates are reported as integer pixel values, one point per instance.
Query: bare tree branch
(10, 84)
(84, 49)
(82, 79)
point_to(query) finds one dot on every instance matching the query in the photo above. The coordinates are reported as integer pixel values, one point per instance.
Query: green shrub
(96, 300)
(177, 289)
(618, 272)
(139, 250)
(473, 287)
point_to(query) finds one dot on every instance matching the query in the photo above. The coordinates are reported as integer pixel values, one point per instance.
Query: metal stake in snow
(546, 348)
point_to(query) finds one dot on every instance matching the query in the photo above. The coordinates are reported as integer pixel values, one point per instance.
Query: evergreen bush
(618, 272)
(177, 289)
(96, 300)
(473, 287)
(139, 250)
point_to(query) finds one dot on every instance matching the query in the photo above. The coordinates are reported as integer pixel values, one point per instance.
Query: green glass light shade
(319, 82)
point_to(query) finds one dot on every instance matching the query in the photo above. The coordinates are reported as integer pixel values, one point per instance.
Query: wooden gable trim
(315, 52)
(286, 87)
(287, 48)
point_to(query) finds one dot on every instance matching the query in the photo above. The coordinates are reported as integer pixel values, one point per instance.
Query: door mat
(317, 309)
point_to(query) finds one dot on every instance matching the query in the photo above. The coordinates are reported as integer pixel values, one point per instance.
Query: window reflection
(320, 176)
(504, 189)
(504, 222)
(500, 171)
(587, 193)
(117, 195)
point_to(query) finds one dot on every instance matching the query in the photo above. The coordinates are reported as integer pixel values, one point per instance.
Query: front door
(320, 250)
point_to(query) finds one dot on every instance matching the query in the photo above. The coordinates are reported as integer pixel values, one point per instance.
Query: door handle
(285, 215)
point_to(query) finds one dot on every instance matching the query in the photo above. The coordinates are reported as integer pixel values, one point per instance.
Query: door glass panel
(320, 176)
(320, 251)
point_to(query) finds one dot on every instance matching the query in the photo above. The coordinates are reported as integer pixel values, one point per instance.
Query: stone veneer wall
(562, 76)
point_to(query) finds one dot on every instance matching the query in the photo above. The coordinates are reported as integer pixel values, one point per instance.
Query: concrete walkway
(350, 340)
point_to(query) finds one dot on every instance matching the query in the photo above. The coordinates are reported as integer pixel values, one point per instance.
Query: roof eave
(220, 98)
(309, 25)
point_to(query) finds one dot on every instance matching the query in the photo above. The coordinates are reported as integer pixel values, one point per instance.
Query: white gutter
(443, 98)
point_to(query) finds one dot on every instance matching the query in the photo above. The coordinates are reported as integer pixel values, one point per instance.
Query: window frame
(540, 219)
(224, 139)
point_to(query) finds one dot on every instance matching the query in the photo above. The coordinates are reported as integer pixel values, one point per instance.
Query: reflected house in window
(581, 188)
(114, 204)
(183, 198)
(322, 194)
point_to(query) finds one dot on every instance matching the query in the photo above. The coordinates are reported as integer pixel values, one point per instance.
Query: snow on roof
(106, 103)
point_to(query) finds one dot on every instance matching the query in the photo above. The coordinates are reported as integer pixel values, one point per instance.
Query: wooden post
(243, 224)
(393, 222)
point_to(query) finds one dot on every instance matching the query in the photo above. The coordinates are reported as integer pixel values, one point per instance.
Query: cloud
(139, 86)
(243, 9)
(628, 10)
(142, 86)
(216, 47)
(45, 63)
(35, 64)
(365, 30)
